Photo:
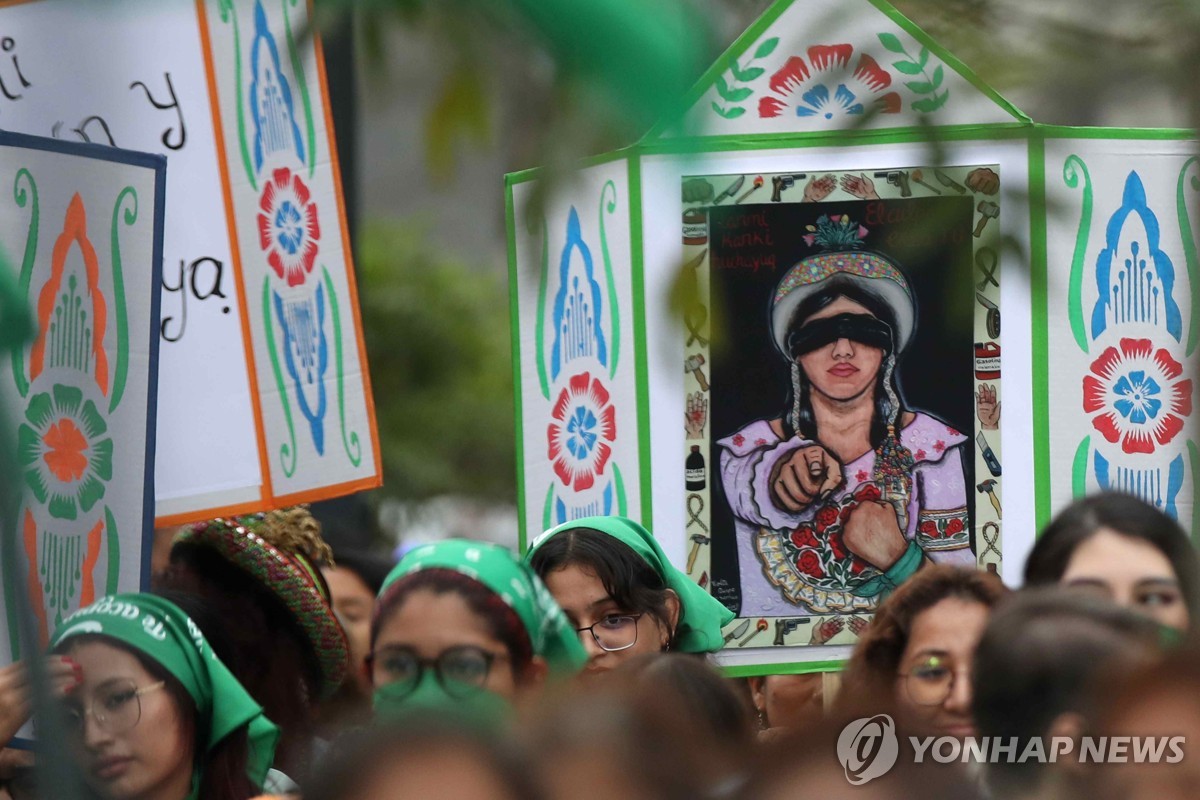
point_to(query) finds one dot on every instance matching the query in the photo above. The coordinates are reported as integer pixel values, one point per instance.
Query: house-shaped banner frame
(833, 140)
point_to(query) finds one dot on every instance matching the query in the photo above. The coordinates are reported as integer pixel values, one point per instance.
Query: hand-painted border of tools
(701, 193)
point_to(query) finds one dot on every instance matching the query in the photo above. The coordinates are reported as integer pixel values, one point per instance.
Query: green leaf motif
(738, 72)
(738, 95)
(930, 104)
(907, 67)
(923, 59)
(723, 88)
(750, 74)
(938, 74)
(892, 43)
(920, 87)
(766, 48)
(729, 113)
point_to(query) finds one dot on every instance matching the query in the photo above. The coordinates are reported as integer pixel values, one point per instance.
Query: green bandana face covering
(701, 615)
(160, 631)
(473, 707)
(499, 570)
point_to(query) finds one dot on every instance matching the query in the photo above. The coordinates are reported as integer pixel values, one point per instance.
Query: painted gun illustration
(785, 626)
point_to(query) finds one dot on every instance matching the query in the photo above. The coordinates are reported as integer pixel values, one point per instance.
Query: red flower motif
(939, 446)
(803, 537)
(1136, 396)
(759, 442)
(65, 446)
(862, 475)
(837, 545)
(738, 440)
(581, 437)
(955, 526)
(868, 492)
(919, 455)
(288, 227)
(805, 92)
(929, 528)
(826, 517)
(809, 564)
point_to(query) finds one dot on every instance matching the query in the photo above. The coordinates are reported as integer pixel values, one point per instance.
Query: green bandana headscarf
(701, 615)
(498, 569)
(159, 630)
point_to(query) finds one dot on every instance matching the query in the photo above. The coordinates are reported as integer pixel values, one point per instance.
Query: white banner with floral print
(572, 287)
(82, 230)
(1122, 333)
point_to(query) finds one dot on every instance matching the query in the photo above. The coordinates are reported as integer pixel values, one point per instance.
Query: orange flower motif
(65, 446)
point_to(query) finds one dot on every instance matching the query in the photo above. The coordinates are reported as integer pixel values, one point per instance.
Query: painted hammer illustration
(988, 487)
(990, 211)
(693, 365)
(898, 179)
(697, 540)
(759, 627)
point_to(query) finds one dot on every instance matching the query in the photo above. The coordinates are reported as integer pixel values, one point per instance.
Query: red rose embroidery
(809, 564)
(826, 517)
(954, 526)
(837, 545)
(868, 492)
(929, 528)
(803, 537)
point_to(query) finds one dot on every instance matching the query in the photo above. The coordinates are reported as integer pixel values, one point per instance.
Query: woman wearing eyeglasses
(622, 595)
(157, 716)
(465, 627)
(915, 656)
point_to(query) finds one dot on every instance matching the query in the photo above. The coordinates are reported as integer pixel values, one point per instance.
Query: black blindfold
(861, 328)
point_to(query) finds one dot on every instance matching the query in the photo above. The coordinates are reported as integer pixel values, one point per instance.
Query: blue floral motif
(577, 305)
(306, 352)
(582, 429)
(818, 102)
(1158, 486)
(1135, 279)
(289, 227)
(271, 105)
(1137, 403)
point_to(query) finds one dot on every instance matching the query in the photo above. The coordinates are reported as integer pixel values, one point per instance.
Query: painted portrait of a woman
(846, 492)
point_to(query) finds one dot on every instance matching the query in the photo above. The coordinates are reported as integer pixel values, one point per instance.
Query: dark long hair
(503, 623)
(1123, 514)
(632, 583)
(223, 768)
(839, 286)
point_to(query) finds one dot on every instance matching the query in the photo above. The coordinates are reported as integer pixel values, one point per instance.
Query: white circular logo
(868, 748)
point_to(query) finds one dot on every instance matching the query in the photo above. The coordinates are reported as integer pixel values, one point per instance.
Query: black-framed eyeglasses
(614, 632)
(930, 681)
(461, 670)
(116, 707)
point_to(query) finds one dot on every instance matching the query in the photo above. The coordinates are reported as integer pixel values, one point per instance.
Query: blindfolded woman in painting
(848, 492)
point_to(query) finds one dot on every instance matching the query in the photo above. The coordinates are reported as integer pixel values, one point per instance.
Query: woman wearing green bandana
(622, 595)
(157, 715)
(465, 628)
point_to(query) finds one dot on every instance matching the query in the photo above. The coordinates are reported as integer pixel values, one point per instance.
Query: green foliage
(441, 367)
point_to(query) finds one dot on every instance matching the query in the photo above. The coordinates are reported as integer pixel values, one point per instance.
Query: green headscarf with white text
(701, 615)
(160, 631)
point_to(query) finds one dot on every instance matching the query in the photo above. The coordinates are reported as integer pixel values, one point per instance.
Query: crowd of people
(262, 664)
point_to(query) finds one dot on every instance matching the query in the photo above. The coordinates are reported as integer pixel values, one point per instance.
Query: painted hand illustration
(827, 630)
(983, 180)
(696, 415)
(987, 407)
(811, 473)
(819, 188)
(873, 534)
(858, 625)
(860, 186)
